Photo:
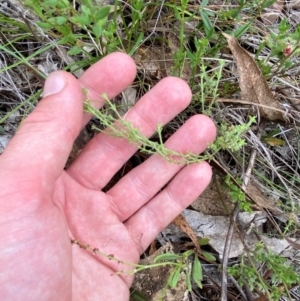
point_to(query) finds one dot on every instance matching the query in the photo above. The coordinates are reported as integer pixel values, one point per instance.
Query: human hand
(42, 205)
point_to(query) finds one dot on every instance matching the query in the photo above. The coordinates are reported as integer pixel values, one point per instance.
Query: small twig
(235, 100)
(226, 253)
(239, 288)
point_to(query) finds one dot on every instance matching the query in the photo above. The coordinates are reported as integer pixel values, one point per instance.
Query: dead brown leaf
(272, 13)
(184, 226)
(253, 85)
(214, 200)
(260, 200)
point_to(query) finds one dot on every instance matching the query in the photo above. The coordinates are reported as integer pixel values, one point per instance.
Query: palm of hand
(42, 206)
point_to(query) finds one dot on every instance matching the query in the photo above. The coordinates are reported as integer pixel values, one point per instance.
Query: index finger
(41, 146)
(109, 76)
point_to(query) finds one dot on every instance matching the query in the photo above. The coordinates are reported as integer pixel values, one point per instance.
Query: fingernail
(55, 82)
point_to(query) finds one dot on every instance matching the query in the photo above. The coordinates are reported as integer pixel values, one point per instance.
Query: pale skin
(42, 205)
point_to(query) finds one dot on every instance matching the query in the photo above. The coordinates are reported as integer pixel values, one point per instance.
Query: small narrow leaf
(86, 11)
(97, 29)
(188, 253)
(241, 30)
(137, 44)
(102, 13)
(52, 3)
(167, 256)
(209, 256)
(267, 4)
(81, 20)
(204, 3)
(208, 28)
(203, 241)
(137, 296)
(176, 12)
(44, 25)
(87, 3)
(188, 281)
(75, 50)
(197, 271)
(174, 277)
(60, 20)
(274, 141)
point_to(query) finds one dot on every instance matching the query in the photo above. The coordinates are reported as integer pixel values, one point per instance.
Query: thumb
(41, 146)
(55, 83)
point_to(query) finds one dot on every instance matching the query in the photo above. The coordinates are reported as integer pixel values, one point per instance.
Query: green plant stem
(137, 267)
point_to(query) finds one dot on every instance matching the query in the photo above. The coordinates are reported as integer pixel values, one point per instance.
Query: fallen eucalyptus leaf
(182, 224)
(253, 85)
(271, 14)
